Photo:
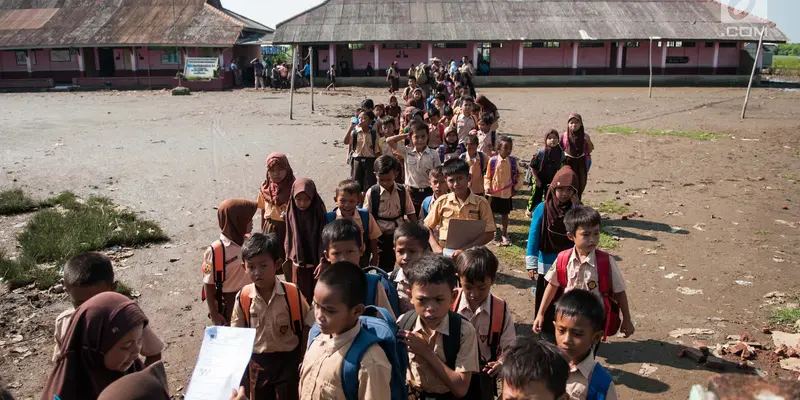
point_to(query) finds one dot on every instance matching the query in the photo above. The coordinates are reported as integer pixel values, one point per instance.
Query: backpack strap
(352, 362)
(295, 308)
(482, 159)
(373, 283)
(604, 280)
(364, 214)
(561, 268)
(497, 321)
(440, 150)
(461, 148)
(494, 139)
(375, 200)
(492, 166)
(408, 320)
(218, 260)
(244, 303)
(452, 342)
(401, 192)
(599, 384)
(330, 216)
(514, 177)
(353, 140)
(426, 204)
(456, 301)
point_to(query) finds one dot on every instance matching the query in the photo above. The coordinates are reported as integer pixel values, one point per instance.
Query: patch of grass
(786, 315)
(764, 233)
(123, 289)
(55, 235)
(18, 273)
(64, 199)
(607, 241)
(14, 201)
(608, 207)
(786, 63)
(627, 130)
(791, 177)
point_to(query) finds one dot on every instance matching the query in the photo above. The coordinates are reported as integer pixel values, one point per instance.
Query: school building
(122, 43)
(529, 41)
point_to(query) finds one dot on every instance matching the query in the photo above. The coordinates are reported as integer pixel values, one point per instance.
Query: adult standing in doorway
(258, 73)
(467, 75)
(393, 76)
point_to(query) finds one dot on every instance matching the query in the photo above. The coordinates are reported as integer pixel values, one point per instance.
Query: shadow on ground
(517, 282)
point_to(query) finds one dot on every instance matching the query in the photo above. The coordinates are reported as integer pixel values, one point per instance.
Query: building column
(475, 55)
(620, 50)
(133, 59)
(222, 61)
(332, 55)
(430, 52)
(664, 47)
(377, 61)
(575, 46)
(520, 57)
(28, 62)
(81, 65)
(96, 60)
(715, 63)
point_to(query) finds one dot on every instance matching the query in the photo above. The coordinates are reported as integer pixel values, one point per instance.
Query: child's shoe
(528, 214)
(505, 241)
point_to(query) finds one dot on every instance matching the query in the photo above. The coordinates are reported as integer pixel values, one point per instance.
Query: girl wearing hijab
(101, 346)
(148, 384)
(487, 107)
(304, 222)
(450, 148)
(273, 199)
(543, 167)
(548, 235)
(577, 151)
(417, 99)
(235, 217)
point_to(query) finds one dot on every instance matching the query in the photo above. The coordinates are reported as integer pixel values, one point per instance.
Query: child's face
(439, 104)
(437, 185)
(484, 127)
(261, 270)
(407, 251)
(393, 102)
(476, 291)
(536, 390)
(364, 121)
(451, 137)
(387, 180)
(380, 111)
(412, 82)
(432, 302)
(125, 351)
(277, 174)
(472, 148)
(346, 202)
(504, 149)
(552, 141)
(467, 108)
(434, 120)
(420, 138)
(575, 337)
(345, 250)
(564, 194)
(387, 129)
(458, 184)
(331, 313)
(79, 294)
(574, 125)
(586, 238)
(302, 201)
(417, 95)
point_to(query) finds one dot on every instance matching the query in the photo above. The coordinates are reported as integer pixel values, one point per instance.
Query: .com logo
(744, 12)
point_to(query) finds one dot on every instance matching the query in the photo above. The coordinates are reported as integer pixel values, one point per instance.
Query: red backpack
(497, 321)
(610, 304)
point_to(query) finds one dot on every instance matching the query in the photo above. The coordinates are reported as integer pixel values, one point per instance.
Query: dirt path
(174, 159)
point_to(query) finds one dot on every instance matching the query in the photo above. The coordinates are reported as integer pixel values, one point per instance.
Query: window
(632, 45)
(356, 46)
(727, 44)
(398, 46)
(591, 44)
(208, 52)
(170, 57)
(679, 44)
(689, 44)
(62, 55)
(548, 45)
(450, 45)
(709, 44)
(495, 45)
(22, 57)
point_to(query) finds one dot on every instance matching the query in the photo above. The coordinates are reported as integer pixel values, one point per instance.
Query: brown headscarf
(551, 161)
(149, 384)
(97, 325)
(486, 105)
(304, 227)
(576, 140)
(278, 193)
(233, 216)
(554, 234)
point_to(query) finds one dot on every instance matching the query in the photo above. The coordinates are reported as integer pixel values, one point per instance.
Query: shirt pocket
(447, 213)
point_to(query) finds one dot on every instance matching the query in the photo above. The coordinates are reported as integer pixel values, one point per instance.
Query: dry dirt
(172, 159)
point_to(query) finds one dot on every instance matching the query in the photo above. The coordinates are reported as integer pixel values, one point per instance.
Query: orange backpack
(292, 301)
(218, 267)
(497, 320)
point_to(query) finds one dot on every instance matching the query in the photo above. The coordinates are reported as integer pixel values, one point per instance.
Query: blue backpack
(377, 326)
(364, 214)
(598, 386)
(426, 205)
(374, 282)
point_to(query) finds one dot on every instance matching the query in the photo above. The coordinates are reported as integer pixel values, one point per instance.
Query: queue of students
(373, 307)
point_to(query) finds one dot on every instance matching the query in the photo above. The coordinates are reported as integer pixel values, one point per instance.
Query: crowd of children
(378, 301)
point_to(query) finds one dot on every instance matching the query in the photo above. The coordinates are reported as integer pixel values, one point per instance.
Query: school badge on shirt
(284, 329)
(207, 268)
(592, 285)
(484, 337)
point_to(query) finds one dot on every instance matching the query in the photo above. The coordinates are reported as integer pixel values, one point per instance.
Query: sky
(270, 12)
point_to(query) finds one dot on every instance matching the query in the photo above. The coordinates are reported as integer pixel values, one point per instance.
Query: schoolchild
(304, 222)
(503, 178)
(419, 160)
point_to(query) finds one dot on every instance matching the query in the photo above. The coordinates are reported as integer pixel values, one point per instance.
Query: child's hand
(218, 319)
(532, 274)
(627, 328)
(375, 260)
(493, 368)
(537, 324)
(238, 395)
(415, 343)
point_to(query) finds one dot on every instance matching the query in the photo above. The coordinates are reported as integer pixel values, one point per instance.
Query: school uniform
(417, 166)
(151, 344)
(499, 184)
(435, 135)
(583, 275)
(363, 158)
(373, 229)
(235, 277)
(421, 376)
(476, 171)
(579, 378)
(464, 125)
(389, 217)
(277, 350)
(273, 220)
(321, 373)
(402, 284)
(449, 207)
(485, 143)
(481, 321)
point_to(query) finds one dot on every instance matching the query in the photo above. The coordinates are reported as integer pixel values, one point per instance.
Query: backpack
(364, 214)
(354, 138)
(493, 167)
(600, 383)
(613, 321)
(377, 280)
(481, 158)
(497, 321)
(421, 76)
(451, 342)
(426, 205)
(218, 267)
(375, 202)
(377, 326)
(292, 302)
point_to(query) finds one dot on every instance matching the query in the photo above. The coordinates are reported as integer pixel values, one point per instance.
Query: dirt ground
(712, 212)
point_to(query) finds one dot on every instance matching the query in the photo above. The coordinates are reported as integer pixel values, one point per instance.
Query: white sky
(270, 12)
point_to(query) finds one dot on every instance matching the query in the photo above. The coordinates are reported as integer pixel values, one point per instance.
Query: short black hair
(368, 104)
(412, 77)
(417, 126)
(385, 164)
(471, 139)
(440, 96)
(413, 231)
(476, 264)
(341, 230)
(88, 269)
(581, 303)
(531, 360)
(432, 269)
(387, 120)
(433, 111)
(455, 166)
(369, 114)
(467, 98)
(504, 139)
(349, 186)
(350, 281)
(487, 118)
(436, 172)
(581, 217)
(259, 243)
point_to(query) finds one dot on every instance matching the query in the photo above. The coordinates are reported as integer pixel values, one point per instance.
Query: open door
(89, 65)
(106, 58)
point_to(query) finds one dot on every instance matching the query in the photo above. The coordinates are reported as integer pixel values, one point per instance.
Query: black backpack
(451, 342)
(375, 202)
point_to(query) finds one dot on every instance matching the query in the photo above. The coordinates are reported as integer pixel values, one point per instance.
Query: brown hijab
(97, 325)
(149, 384)
(576, 140)
(486, 105)
(233, 216)
(277, 193)
(304, 227)
(554, 234)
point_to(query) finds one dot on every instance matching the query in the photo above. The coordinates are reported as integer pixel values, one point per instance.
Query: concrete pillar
(96, 60)
(81, 65)
(222, 66)
(475, 55)
(715, 63)
(28, 62)
(520, 56)
(575, 46)
(332, 55)
(430, 52)
(664, 47)
(133, 59)
(620, 50)
(377, 61)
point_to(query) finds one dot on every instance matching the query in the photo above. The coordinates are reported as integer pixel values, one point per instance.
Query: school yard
(690, 215)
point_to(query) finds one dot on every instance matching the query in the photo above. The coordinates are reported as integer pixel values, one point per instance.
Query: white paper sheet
(223, 359)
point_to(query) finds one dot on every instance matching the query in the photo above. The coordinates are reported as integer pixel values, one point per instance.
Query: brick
(695, 354)
(747, 353)
(744, 337)
(782, 350)
(715, 363)
(766, 330)
(792, 352)
(700, 345)
(740, 386)
(738, 349)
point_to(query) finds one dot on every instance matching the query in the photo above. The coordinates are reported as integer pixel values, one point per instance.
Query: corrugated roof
(356, 21)
(77, 23)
